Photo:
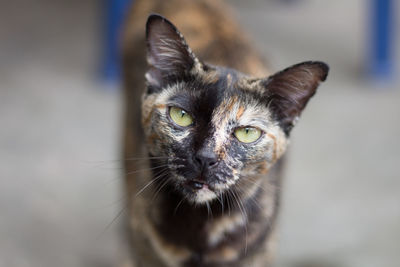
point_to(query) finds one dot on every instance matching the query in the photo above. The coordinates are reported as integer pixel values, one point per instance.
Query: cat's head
(215, 126)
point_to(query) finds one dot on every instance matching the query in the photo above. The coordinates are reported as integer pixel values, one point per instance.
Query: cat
(205, 135)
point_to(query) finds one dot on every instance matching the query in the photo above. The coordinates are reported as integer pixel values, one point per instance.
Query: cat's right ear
(288, 91)
(168, 55)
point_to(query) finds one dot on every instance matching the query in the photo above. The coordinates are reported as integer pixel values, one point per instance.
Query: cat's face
(216, 127)
(212, 131)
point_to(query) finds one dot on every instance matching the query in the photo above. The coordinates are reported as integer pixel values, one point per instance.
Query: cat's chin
(204, 195)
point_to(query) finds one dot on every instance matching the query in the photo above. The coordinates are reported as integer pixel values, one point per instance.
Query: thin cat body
(202, 195)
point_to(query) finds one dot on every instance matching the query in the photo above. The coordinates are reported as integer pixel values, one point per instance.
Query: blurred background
(60, 128)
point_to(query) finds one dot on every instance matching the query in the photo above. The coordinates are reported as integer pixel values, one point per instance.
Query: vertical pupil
(182, 113)
(247, 130)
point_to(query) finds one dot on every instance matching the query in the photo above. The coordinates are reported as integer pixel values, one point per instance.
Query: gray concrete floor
(60, 129)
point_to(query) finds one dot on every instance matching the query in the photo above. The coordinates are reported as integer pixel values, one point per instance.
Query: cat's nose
(206, 158)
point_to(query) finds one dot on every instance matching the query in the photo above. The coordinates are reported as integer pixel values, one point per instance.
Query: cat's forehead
(208, 90)
(230, 81)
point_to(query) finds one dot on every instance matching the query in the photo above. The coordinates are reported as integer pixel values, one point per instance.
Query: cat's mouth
(201, 190)
(197, 185)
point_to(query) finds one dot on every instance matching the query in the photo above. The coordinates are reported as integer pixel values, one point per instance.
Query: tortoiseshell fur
(229, 222)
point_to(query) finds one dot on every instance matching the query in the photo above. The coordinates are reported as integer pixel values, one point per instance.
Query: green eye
(247, 134)
(180, 117)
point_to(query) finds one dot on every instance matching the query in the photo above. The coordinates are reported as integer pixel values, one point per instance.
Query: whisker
(121, 199)
(112, 222)
(256, 184)
(209, 211)
(111, 161)
(229, 202)
(149, 183)
(244, 215)
(145, 158)
(159, 189)
(220, 200)
(113, 179)
(147, 169)
(252, 198)
(177, 206)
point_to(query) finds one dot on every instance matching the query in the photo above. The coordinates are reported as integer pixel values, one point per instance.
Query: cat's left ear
(288, 91)
(168, 54)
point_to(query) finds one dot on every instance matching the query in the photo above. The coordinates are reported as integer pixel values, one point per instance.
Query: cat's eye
(247, 134)
(180, 116)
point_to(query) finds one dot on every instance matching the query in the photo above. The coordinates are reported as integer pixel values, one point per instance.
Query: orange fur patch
(240, 112)
(274, 156)
(210, 77)
(231, 103)
(147, 120)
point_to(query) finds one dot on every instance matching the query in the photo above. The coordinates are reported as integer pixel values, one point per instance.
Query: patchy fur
(204, 198)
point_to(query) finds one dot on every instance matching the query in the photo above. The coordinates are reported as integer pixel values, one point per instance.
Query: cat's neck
(201, 226)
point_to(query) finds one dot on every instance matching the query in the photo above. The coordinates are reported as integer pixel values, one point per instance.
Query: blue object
(381, 58)
(114, 14)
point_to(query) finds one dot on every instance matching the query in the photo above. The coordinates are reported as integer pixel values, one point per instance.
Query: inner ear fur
(289, 90)
(168, 54)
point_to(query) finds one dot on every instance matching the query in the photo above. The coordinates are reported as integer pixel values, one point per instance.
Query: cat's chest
(198, 240)
(202, 234)
(200, 228)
